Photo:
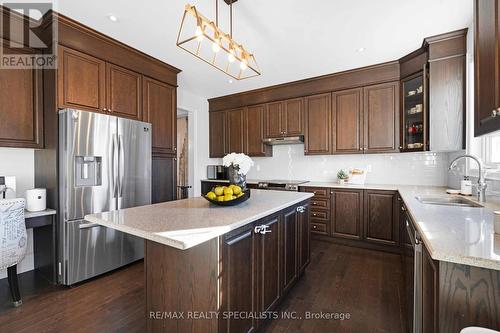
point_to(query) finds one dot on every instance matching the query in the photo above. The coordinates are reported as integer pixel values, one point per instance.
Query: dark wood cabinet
(347, 118)
(81, 81)
(258, 269)
(160, 109)
(347, 213)
(304, 238)
(430, 293)
(238, 280)
(318, 125)
(274, 112)
(270, 262)
(124, 92)
(487, 67)
(290, 246)
(21, 99)
(381, 118)
(235, 131)
(293, 111)
(217, 133)
(381, 223)
(254, 131)
(163, 179)
(284, 118)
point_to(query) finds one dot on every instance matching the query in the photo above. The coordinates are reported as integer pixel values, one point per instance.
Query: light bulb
(215, 47)
(231, 56)
(199, 33)
(243, 65)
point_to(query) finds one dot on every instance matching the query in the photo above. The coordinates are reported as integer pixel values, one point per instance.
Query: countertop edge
(182, 245)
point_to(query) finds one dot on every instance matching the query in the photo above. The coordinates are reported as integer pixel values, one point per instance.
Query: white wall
(20, 164)
(289, 162)
(197, 108)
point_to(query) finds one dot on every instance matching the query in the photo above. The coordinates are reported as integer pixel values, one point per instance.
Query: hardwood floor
(366, 284)
(340, 279)
(112, 303)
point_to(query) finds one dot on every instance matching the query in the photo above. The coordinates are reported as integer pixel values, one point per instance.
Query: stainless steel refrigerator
(104, 165)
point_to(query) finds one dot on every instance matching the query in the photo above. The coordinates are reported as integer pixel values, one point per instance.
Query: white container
(36, 200)
(496, 221)
(466, 186)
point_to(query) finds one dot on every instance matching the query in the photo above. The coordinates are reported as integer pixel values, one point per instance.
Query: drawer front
(319, 192)
(319, 228)
(318, 203)
(319, 215)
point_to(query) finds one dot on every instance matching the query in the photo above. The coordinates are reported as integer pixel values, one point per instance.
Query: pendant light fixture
(205, 40)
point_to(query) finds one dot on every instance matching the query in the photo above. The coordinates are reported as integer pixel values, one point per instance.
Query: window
(492, 150)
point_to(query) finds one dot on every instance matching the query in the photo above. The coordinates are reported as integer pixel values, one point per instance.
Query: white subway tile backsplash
(289, 162)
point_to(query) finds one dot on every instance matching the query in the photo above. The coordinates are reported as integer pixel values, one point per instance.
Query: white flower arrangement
(240, 162)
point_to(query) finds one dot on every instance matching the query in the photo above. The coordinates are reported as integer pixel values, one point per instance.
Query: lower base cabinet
(363, 218)
(261, 262)
(163, 179)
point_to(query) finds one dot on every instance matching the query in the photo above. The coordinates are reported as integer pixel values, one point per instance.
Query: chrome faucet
(481, 183)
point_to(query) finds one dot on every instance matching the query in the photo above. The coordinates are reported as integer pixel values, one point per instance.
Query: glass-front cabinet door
(414, 118)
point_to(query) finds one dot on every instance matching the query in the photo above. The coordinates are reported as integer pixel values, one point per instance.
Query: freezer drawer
(93, 250)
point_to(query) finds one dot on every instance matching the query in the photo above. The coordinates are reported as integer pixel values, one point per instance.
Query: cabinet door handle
(495, 113)
(262, 229)
(360, 148)
(301, 209)
(104, 109)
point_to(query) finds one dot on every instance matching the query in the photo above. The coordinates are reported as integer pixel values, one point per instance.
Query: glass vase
(235, 178)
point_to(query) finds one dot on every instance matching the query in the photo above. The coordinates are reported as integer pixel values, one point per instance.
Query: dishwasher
(413, 276)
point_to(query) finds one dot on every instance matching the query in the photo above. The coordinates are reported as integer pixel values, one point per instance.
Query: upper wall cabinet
(446, 90)
(217, 133)
(88, 83)
(235, 131)
(124, 92)
(318, 125)
(21, 120)
(487, 67)
(82, 81)
(347, 116)
(284, 118)
(254, 131)
(159, 108)
(381, 118)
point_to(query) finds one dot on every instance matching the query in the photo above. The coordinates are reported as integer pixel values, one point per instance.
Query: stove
(281, 185)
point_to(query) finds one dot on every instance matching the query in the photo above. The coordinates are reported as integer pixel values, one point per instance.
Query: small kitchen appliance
(217, 172)
(36, 200)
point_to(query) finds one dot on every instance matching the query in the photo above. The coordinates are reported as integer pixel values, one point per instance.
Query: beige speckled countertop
(186, 223)
(460, 235)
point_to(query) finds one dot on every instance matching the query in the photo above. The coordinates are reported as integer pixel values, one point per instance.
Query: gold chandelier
(204, 39)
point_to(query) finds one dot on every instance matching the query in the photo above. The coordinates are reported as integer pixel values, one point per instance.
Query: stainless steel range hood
(292, 140)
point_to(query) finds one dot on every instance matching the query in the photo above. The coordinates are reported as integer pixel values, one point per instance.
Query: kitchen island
(217, 269)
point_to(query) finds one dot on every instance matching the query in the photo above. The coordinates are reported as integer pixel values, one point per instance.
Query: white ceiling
(291, 39)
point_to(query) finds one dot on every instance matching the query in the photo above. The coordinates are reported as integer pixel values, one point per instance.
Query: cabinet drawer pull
(495, 113)
(262, 229)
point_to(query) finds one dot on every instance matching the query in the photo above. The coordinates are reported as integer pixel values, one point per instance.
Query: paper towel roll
(36, 199)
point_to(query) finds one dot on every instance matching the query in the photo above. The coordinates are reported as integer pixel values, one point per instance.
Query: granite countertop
(186, 223)
(249, 181)
(462, 235)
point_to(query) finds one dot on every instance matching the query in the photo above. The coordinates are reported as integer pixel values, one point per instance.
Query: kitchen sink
(448, 201)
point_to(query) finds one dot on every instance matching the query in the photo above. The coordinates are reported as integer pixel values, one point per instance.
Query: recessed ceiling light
(361, 49)
(113, 18)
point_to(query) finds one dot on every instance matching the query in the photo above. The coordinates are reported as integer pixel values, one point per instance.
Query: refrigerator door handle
(114, 164)
(121, 165)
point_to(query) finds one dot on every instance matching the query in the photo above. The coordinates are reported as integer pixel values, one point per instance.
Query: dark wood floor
(340, 279)
(363, 283)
